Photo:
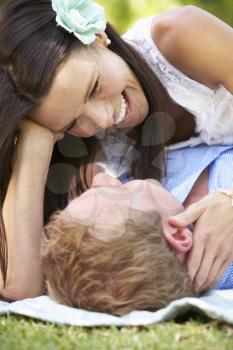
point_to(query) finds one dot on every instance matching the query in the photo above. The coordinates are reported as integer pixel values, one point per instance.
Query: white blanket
(217, 305)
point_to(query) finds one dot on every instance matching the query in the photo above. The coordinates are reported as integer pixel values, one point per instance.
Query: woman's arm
(23, 212)
(197, 43)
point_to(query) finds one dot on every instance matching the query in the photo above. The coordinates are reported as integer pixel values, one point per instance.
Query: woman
(67, 74)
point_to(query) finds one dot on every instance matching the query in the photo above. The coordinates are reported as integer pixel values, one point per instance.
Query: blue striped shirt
(184, 167)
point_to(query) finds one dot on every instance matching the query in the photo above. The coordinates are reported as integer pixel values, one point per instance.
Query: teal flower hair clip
(83, 18)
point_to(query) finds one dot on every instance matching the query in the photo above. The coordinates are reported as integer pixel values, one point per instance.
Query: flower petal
(83, 18)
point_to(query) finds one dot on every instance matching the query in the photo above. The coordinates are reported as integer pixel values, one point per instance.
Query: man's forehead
(119, 193)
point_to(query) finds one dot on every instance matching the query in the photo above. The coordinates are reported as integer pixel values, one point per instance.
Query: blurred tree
(118, 13)
(123, 13)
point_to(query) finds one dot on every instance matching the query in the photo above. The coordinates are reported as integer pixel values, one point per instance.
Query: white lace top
(212, 109)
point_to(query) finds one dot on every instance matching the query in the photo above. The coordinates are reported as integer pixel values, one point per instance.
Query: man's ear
(178, 239)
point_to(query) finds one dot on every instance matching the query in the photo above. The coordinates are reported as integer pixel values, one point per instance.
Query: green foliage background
(123, 13)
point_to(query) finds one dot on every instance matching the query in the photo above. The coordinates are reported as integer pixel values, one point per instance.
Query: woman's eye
(95, 89)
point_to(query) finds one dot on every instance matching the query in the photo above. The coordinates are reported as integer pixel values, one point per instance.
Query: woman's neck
(184, 120)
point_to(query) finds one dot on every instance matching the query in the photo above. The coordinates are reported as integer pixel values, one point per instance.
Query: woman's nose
(96, 116)
(104, 180)
(101, 114)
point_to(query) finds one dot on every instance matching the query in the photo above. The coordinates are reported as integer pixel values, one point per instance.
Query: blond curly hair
(133, 271)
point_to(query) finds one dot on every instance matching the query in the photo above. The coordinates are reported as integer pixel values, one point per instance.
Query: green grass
(193, 333)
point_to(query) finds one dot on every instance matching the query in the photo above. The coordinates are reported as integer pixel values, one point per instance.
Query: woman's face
(88, 94)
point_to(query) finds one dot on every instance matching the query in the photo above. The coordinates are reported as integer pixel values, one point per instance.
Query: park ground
(190, 332)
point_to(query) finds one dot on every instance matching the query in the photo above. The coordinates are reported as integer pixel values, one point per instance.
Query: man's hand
(212, 249)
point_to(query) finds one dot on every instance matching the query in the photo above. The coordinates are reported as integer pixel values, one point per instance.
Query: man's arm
(197, 43)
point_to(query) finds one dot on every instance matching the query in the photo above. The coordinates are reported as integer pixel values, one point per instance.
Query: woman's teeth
(123, 110)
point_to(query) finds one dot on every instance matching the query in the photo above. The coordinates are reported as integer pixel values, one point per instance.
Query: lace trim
(212, 109)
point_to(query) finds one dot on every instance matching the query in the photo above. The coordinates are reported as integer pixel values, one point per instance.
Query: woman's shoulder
(164, 22)
(163, 31)
(185, 36)
(139, 29)
(159, 24)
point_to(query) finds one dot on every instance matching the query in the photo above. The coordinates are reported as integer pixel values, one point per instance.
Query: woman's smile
(130, 116)
(93, 90)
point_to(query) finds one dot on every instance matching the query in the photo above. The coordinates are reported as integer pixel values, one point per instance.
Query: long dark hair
(31, 49)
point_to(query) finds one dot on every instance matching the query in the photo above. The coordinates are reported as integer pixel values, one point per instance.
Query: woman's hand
(29, 127)
(212, 249)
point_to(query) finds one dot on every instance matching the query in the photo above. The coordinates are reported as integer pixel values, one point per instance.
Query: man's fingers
(220, 265)
(189, 216)
(202, 275)
(195, 258)
(210, 264)
(216, 273)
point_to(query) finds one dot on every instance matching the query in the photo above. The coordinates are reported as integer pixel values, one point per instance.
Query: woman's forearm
(23, 215)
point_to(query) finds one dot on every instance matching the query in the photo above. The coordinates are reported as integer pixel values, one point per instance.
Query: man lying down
(113, 250)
